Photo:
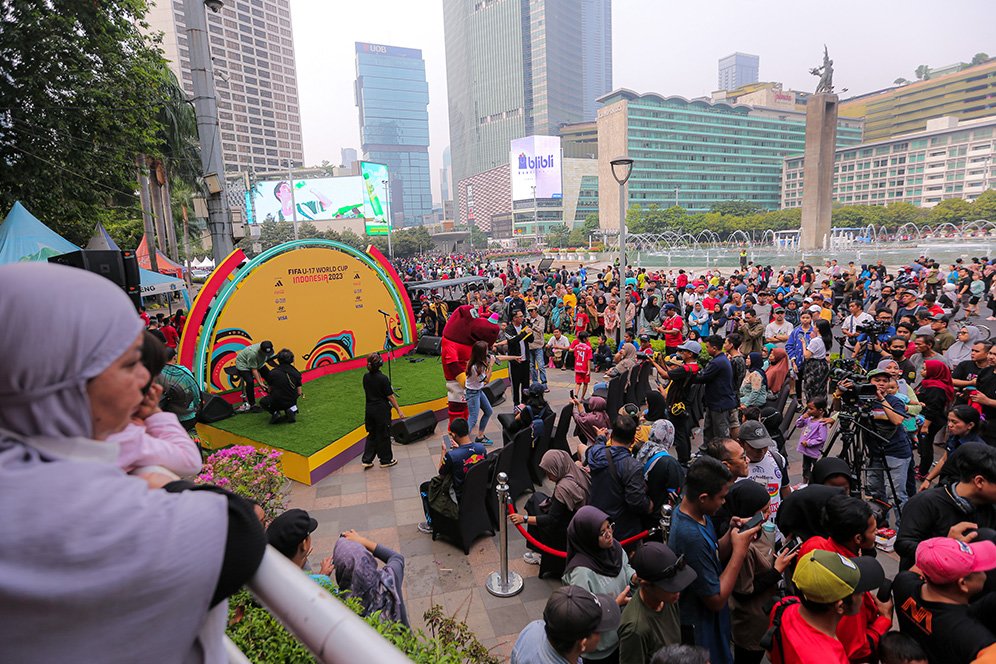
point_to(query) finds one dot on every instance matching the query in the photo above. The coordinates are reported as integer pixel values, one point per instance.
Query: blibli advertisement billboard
(536, 160)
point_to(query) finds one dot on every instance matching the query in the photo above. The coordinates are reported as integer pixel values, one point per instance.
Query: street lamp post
(535, 215)
(622, 168)
(390, 222)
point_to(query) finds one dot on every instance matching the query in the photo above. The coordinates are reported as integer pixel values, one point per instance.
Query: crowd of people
(761, 556)
(692, 532)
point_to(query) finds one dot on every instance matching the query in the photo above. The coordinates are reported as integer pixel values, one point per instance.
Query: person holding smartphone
(458, 453)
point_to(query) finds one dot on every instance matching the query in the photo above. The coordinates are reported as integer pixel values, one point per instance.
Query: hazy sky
(663, 46)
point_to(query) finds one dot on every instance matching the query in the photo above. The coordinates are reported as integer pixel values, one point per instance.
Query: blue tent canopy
(24, 238)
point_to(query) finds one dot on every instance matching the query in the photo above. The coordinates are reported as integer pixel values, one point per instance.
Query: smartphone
(447, 441)
(755, 521)
(572, 394)
(791, 545)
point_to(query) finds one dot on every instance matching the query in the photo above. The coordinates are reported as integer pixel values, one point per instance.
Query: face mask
(898, 353)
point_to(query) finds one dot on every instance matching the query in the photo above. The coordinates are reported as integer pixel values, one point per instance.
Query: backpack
(774, 633)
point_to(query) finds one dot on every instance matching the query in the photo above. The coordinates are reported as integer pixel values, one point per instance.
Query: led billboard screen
(374, 178)
(536, 160)
(314, 199)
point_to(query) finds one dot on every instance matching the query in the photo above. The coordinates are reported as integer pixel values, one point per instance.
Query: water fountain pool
(944, 243)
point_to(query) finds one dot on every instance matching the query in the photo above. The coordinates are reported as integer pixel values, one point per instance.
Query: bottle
(768, 533)
(378, 209)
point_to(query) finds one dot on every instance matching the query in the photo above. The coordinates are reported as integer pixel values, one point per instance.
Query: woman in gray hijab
(961, 349)
(355, 559)
(664, 474)
(92, 557)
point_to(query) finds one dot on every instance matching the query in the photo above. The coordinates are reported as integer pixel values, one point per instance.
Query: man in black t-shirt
(963, 375)
(985, 395)
(934, 608)
(284, 383)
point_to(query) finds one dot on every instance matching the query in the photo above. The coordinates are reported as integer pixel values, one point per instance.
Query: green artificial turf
(333, 406)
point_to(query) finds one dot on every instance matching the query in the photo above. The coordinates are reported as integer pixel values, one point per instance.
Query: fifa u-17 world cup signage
(536, 161)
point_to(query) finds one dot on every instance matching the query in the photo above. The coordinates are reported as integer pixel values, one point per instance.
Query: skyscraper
(521, 67)
(393, 98)
(738, 69)
(252, 47)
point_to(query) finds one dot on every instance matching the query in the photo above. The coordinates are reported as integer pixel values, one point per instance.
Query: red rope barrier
(563, 554)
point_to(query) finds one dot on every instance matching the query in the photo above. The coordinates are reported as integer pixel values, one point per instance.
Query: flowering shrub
(250, 473)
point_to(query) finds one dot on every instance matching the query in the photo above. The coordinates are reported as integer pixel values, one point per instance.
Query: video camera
(859, 394)
(873, 328)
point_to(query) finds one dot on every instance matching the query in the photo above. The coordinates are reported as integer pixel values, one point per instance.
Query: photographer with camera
(888, 443)
(856, 318)
(873, 341)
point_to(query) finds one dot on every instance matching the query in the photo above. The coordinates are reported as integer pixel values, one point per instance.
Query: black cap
(755, 434)
(655, 563)
(572, 613)
(537, 390)
(266, 346)
(288, 530)
(828, 467)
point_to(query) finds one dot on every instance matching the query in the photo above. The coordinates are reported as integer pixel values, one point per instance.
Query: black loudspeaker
(214, 409)
(429, 345)
(416, 427)
(121, 267)
(495, 390)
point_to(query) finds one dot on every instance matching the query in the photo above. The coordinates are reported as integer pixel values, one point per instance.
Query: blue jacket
(718, 378)
(796, 344)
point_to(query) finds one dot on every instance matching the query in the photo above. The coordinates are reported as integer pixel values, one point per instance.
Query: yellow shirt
(826, 314)
(570, 300)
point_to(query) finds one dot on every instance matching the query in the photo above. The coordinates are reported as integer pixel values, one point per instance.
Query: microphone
(383, 312)
(885, 591)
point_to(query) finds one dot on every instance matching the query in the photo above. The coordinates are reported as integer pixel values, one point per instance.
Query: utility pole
(145, 198)
(390, 222)
(290, 177)
(206, 109)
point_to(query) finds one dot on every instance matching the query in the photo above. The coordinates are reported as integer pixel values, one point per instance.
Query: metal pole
(290, 176)
(329, 629)
(622, 262)
(390, 222)
(535, 215)
(206, 109)
(503, 583)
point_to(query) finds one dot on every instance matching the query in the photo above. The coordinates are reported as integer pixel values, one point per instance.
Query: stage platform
(329, 430)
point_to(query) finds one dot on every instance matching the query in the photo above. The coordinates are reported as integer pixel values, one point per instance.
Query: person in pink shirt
(153, 437)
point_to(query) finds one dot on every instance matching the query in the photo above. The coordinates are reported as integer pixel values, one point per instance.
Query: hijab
(596, 417)
(960, 351)
(746, 498)
(651, 309)
(755, 363)
(937, 374)
(573, 484)
(582, 544)
(656, 406)
(801, 513)
(377, 589)
(661, 439)
(44, 393)
(778, 368)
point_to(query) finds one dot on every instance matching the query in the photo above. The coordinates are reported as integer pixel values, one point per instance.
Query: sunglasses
(678, 566)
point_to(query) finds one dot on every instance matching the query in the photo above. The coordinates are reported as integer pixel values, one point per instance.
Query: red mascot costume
(463, 328)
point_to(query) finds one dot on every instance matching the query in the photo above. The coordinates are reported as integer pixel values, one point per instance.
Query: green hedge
(264, 640)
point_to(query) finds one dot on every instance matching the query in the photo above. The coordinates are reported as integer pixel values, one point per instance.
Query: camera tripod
(859, 457)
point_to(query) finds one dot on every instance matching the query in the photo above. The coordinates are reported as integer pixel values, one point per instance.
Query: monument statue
(825, 72)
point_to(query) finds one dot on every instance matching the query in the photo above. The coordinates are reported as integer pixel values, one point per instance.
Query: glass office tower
(393, 97)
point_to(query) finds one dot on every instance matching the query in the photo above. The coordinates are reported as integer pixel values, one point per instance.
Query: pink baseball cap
(493, 319)
(944, 560)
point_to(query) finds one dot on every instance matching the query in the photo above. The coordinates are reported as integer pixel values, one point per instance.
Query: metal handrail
(329, 629)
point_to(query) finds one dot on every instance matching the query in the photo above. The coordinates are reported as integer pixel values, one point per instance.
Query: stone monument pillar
(817, 185)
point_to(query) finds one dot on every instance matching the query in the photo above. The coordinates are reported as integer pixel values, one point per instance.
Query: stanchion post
(503, 583)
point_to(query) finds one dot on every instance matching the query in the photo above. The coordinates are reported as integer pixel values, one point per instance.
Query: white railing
(330, 630)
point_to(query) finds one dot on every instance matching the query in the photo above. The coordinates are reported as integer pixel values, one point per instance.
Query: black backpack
(774, 632)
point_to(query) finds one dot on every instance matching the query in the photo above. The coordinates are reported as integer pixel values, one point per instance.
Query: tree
(922, 73)
(736, 208)
(951, 210)
(979, 58)
(272, 233)
(984, 206)
(558, 237)
(79, 90)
